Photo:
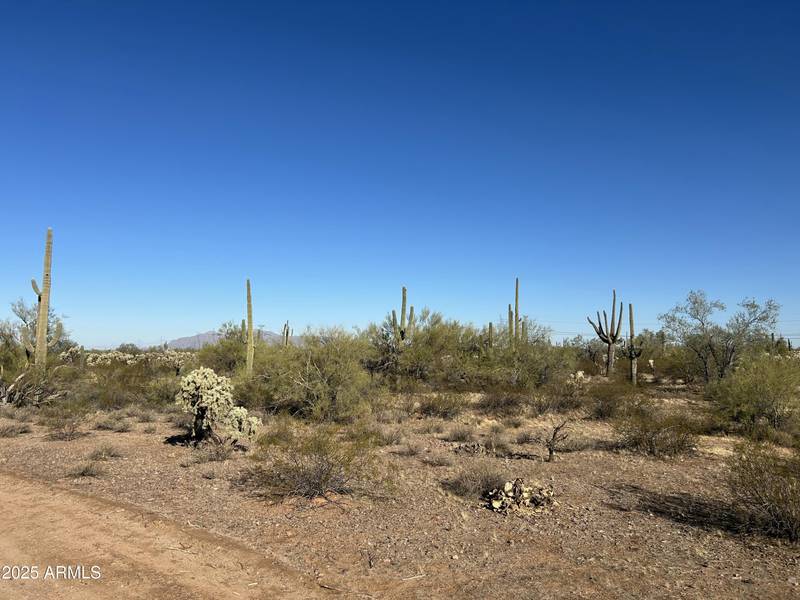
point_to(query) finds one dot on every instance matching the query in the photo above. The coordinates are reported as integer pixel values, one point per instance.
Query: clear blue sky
(334, 151)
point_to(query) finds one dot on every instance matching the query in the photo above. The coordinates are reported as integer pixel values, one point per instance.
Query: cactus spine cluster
(633, 352)
(39, 352)
(251, 347)
(609, 335)
(403, 330)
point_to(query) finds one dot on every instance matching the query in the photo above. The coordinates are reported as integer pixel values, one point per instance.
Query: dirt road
(139, 555)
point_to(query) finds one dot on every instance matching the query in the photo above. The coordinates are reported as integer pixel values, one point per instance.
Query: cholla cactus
(515, 495)
(209, 397)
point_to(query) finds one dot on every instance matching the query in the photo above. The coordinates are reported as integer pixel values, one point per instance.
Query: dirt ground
(162, 525)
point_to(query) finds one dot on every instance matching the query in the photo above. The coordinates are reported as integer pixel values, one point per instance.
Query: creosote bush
(609, 400)
(209, 398)
(446, 405)
(311, 461)
(766, 485)
(656, 432)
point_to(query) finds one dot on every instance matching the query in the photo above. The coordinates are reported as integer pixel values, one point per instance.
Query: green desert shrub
(314, 460)
(322, 379)
(504, 404)
(656, 432)
(762, 393)
(609, 400)
(766, 485)
(227, 355)
(445, 405)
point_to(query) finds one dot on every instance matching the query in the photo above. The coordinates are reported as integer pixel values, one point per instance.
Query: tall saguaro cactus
(404, 329)
(285, 334)
(633, 352)
(516, 311)
(251, 345)
(609, 335)
(43, 312)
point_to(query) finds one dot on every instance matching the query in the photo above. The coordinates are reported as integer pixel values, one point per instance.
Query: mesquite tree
(609, 335)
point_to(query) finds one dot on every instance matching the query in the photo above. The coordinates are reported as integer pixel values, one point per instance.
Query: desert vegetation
(334, 414)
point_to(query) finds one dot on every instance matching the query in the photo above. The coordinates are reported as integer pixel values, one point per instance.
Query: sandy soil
(163, 525)
(139, 554)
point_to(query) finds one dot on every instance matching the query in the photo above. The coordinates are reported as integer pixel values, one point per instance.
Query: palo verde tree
(715, 347)
(609, 335)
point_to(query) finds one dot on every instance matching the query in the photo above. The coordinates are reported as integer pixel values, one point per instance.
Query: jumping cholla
(209, 397)
(39, 352)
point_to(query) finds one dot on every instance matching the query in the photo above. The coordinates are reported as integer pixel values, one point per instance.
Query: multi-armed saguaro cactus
(286, 333)
(633, 352)
(39, 352)
(404, 329)
(609, 335)
(251, 346)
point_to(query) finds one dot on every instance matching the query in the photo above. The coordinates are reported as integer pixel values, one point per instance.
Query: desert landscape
(399, 300)
(401, 460)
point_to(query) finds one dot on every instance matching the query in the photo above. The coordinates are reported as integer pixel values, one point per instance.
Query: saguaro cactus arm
(56, 335)
(26, 340)
(608, 335)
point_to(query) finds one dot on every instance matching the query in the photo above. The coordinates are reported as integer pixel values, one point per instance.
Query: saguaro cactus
(404, 329)
(633, 352)
(510, 326)
(39, 352)
(285, 334)
(251, 346)
(609, 335)
(516, 310)
(491, 335)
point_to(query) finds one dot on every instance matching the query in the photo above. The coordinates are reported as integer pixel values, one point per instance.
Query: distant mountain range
(197, 341)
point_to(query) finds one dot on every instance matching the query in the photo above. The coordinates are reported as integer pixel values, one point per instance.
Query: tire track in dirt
(140, 554)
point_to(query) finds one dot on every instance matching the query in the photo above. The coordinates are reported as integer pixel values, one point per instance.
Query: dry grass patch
(13, 430)
(475, 480)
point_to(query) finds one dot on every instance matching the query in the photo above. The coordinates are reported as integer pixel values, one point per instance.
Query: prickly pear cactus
(515, 495)
(209, 397)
